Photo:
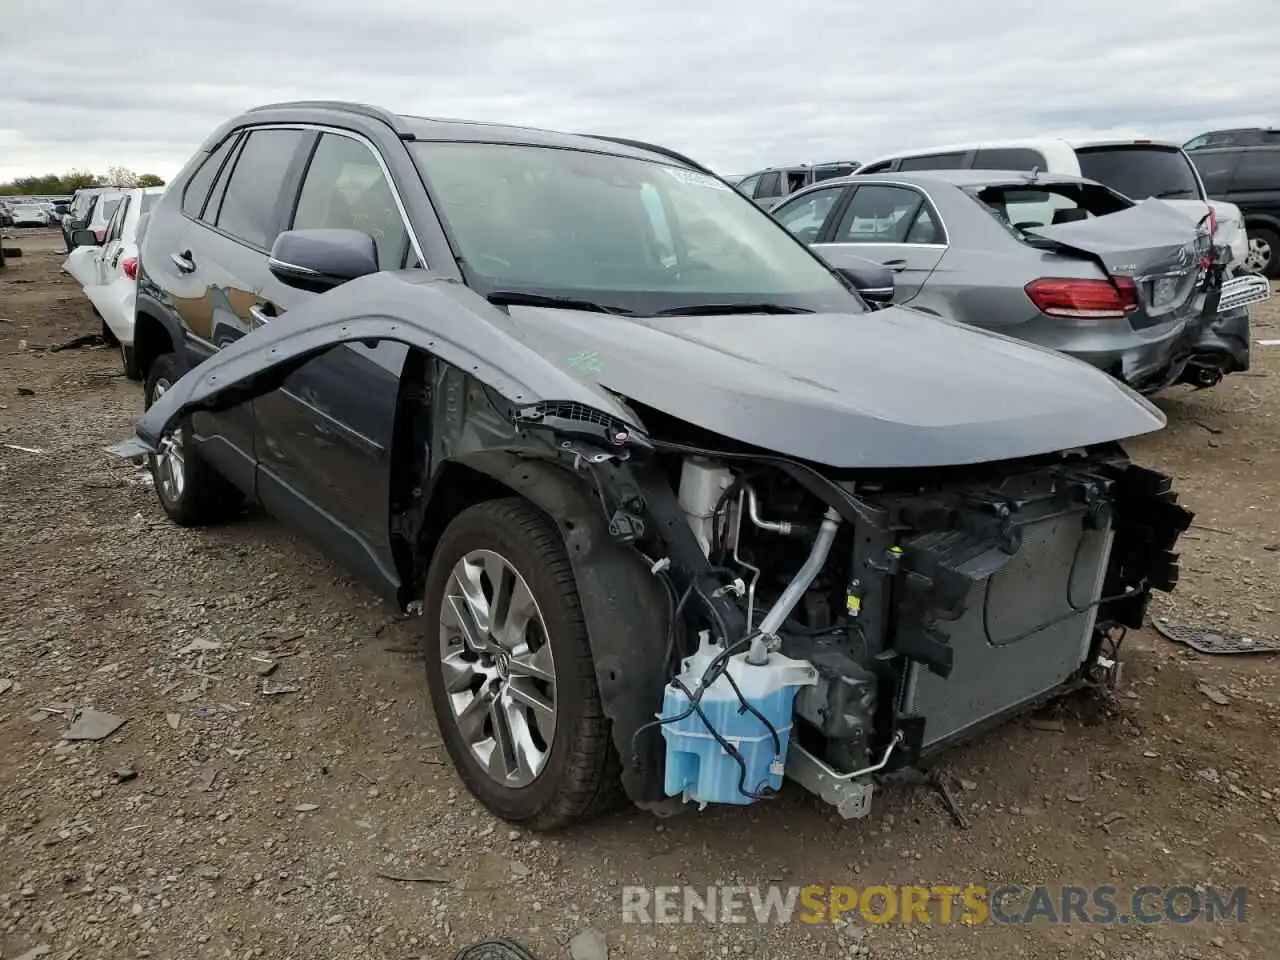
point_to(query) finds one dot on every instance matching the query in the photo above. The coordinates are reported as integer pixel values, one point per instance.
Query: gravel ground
(241, 815)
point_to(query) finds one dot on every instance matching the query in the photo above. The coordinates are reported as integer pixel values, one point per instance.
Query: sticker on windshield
(696, 179)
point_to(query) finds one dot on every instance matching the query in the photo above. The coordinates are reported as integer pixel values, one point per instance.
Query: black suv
(1249, 177)
(589, 411)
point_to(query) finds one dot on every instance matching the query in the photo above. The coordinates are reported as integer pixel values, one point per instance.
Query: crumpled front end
(929, 607)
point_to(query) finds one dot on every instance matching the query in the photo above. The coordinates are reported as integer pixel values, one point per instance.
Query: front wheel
(191, 491)
(510, 671)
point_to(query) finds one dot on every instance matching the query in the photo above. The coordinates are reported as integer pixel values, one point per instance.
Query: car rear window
(933, 161)
(1140, 171)
(108, 209)
(1025, 206)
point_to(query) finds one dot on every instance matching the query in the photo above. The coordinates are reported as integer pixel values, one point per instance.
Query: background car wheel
(191, 491)
(129, 362)
(510, 672)
(1264, 252)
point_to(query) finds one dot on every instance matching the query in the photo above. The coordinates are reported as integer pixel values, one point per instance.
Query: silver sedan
(1058, 261)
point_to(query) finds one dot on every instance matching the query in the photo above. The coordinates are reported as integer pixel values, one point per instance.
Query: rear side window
(251, 209)
(770, 184)
(1009, 158)
(1024, 207)
(934, 161)
(1259, 171)
(1141, 171)
(197, 189)
(879, 214)
(1216, 167)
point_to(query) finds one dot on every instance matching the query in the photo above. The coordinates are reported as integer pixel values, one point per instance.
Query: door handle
(183, 261)
(897, 266)
(259, 313)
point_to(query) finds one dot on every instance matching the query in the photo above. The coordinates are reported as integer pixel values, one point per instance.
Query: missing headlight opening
(830, 626)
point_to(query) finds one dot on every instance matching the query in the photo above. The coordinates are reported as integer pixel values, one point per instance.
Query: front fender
(439, 316)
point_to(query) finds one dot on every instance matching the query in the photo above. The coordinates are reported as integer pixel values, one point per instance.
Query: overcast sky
(735, 85)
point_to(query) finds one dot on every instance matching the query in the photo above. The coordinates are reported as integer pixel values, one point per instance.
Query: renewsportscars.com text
(968, 904)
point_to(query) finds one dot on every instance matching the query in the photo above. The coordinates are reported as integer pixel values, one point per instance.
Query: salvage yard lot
(279, 789)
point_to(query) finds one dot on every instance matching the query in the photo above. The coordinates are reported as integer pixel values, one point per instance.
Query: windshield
(1140, 172)
(628, 233)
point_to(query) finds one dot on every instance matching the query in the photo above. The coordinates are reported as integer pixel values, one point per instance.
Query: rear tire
(576, 775)
(191, 491)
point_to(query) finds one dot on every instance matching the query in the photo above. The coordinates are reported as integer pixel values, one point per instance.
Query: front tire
(510, 672)
(191, 491)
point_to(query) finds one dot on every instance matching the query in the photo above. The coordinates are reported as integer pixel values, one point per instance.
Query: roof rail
(362, 109)
(652, 148)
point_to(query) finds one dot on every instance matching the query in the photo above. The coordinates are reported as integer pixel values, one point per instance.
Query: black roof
(414, 128)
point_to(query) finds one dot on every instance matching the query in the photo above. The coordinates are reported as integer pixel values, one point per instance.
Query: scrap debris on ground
(262, 776)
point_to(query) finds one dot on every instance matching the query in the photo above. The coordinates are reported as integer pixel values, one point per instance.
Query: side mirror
(79, 224)
(873, 281)
(84, 238)
(61, 209)
(319, 260)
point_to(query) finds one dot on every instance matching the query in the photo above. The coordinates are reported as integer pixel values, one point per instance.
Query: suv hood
(890, 388)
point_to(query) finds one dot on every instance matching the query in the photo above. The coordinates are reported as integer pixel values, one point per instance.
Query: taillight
(1084, 299)
(1213, 221)
(100, 234)
(130, 266)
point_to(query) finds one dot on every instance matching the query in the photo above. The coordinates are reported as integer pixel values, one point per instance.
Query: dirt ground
(227, 819)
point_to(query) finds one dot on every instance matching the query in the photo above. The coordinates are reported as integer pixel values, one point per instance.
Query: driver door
(323, 439)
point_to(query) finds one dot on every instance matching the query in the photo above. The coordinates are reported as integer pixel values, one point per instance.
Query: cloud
(736, 85)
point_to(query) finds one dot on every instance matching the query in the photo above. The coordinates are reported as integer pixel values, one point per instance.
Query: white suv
(1138, 168)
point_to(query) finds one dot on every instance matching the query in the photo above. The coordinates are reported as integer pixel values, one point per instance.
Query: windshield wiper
(519, 298)
(710, 309)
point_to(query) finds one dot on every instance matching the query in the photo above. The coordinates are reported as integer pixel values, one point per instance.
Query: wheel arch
(623, 603)
(153, 336)
(1262, 220)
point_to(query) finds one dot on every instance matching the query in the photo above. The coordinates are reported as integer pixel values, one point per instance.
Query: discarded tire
(497, 948)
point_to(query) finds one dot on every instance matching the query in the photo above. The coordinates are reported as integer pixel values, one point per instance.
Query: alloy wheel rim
(499, 673)
(1259, 255)
(170, 464)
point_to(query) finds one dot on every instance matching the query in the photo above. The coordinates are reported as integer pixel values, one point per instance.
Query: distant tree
(120, 177)
(50, 184)
(150, 180)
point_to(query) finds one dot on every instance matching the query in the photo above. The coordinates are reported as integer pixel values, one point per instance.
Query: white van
(1139, 168)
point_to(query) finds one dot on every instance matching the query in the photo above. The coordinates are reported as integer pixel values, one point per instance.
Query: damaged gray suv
(682, 516)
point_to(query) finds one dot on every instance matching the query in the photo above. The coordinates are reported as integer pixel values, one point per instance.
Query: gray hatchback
(1055, 260)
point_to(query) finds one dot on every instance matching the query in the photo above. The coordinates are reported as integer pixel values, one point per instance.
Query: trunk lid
(1153, 244)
